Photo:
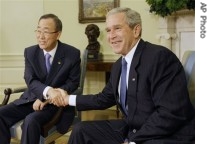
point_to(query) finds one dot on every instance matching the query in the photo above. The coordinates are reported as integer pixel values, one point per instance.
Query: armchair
(49, 132)
(188, 61)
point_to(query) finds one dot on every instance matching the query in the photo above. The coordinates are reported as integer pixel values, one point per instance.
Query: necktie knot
(124, 63)
(47, 61)
(47, 56)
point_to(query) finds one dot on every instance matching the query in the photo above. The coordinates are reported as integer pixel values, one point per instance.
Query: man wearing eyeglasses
(61, 69)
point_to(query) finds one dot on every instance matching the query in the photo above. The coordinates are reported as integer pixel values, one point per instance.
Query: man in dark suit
(63, 71)
(157, 108)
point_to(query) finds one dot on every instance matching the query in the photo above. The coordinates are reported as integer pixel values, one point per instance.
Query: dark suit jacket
(159, 107)
(64, 74)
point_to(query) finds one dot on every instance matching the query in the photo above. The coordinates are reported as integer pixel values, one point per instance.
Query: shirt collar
(129, 56)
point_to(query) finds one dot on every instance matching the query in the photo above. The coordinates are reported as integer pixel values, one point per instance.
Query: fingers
(53, 93)
(36, 105)
(43, 104)
(46, 102)
(58, 96)
(39, 105)
(58, 101)
(63, 93)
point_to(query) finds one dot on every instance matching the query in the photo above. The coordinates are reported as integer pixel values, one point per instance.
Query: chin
(117, 52)
(42, 47)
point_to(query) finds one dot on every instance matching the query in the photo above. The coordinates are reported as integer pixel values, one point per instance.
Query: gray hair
(133, 18)
(58, 23)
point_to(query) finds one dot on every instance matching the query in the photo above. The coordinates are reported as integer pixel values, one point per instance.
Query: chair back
(188, 62)
(79, 90)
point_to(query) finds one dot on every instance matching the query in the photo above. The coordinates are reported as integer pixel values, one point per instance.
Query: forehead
(46, 24)
(115, 19)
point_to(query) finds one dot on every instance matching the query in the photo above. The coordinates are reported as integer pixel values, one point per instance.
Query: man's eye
(107, 30)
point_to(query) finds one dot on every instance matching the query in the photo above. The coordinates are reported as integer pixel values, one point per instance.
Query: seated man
(147, 83)
(62, 70)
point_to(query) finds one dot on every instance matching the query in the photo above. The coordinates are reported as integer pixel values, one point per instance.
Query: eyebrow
(114, 26)
(43, 27)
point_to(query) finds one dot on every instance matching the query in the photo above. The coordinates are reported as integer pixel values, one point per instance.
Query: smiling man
(147, 83)
(61, 69)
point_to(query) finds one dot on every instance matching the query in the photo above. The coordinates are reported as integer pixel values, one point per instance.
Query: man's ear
(137, 31)
(58, 36)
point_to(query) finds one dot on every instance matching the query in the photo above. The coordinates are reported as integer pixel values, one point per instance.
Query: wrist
(45, 92)
(49, 93)
(67, 100)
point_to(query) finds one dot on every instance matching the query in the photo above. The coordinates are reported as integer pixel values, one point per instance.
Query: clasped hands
(58, 97)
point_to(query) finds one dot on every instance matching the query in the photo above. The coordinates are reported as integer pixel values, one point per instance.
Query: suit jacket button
(134, 130)
(133, 79)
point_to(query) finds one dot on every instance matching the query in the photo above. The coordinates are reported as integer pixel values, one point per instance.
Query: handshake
(58, 97)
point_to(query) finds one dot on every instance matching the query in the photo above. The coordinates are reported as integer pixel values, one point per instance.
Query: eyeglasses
(45, 33)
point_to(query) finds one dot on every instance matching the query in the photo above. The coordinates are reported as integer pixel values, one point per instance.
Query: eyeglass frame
(45, 33)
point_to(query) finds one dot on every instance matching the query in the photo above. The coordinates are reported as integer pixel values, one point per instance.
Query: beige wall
(18, 20)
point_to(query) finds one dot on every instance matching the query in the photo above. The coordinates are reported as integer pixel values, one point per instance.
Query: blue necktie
(47, 61)
(123, 87)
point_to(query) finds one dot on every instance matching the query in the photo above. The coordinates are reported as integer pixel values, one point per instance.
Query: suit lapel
(57, 63)
(132, 82)
(40, 62)
(117, 72)
(115, 80)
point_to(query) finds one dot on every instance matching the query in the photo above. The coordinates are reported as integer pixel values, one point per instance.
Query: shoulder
(67, 47)
(68, 50)
(149, 54)
(153, 50)
(32, 49)
(154, 47)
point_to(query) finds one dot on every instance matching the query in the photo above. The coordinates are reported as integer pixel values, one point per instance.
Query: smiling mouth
(114, 42)
(42, 43)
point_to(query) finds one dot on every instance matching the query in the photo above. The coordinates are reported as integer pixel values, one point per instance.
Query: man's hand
(54, 96)
(58, 97)
(53, 93)
(38, 105)
(64, 99)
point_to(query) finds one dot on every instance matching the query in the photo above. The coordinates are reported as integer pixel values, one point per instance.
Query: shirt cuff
(72, 100)
(45, 92)
(132, 143)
